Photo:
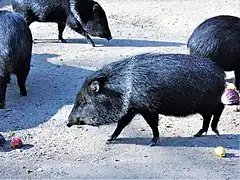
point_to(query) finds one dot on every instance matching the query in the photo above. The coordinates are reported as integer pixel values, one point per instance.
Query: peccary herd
(148, 84)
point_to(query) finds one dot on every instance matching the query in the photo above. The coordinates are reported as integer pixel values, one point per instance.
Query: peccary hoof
(216, 131)
(23, 93)
(111, 139)
(200, 132)
(2, 105)
(153, 142)
(63, 40)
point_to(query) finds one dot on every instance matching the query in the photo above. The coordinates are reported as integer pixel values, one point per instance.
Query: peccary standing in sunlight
(218, 38)
(83, 16)
(151, 84)
(15, 51)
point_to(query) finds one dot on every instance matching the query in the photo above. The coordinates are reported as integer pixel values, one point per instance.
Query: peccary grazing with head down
(83, 16)
(218, 38)
(15, 51)
(151, 84)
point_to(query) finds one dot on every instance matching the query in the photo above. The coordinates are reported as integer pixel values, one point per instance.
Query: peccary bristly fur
(151, 84)
(83, 16)
(15, 51)
(218, 38)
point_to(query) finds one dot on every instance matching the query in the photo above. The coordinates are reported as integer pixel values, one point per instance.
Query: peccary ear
(95, 8)
(95, 86)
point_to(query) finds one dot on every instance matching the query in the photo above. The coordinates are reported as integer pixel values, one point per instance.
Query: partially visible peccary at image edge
(218, 38)
(83, 16)
(151, 84)
(15, 51)
(2, 139)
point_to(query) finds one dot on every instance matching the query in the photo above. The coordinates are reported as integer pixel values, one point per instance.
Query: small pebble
(39, 169)
(18, 150)
(28, 171)
(141, 129)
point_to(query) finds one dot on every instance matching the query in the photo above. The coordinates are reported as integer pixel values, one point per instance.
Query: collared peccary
(15, 51)
(151, 84)
(218, 38)
(83, 16)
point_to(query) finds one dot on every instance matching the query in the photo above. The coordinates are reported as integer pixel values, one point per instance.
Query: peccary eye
(83, 103)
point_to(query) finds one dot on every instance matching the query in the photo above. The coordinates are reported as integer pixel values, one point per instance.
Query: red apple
(16, 143)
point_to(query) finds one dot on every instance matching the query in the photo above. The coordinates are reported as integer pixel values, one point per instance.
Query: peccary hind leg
(216, 117)
(206, 122)
(61, 27)
(74, 24)
(207, 118)
(122, 123)
(21, 79)
(152, 120)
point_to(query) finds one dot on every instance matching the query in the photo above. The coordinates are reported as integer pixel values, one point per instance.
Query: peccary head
(96, 105)
(93, 18)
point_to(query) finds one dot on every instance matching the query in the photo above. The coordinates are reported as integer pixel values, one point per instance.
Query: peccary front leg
(21, 79)
(8, 78)
(3, 87)
(237, 79)
(216, 117)
(206, 122)
(152, 120)
(61, 27)
(122, 123)
(74, 24)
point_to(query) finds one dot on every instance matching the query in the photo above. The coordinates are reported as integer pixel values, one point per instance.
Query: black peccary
(151, 84)
(15, 51)
(83, 16)
(218, 38)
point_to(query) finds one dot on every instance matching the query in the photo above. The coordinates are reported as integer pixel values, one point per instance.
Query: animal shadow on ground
(230, 141)
(50, 86)
(118, 42)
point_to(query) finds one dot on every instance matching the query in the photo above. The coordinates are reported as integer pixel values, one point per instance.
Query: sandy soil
(52, 150)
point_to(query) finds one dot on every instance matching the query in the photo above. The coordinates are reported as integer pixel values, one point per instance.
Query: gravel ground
(52, 150)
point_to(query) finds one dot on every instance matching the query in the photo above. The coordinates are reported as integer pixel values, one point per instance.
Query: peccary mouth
(79, 122)
(82, 121)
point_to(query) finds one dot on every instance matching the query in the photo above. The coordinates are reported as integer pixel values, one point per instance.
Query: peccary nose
(69, 125)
